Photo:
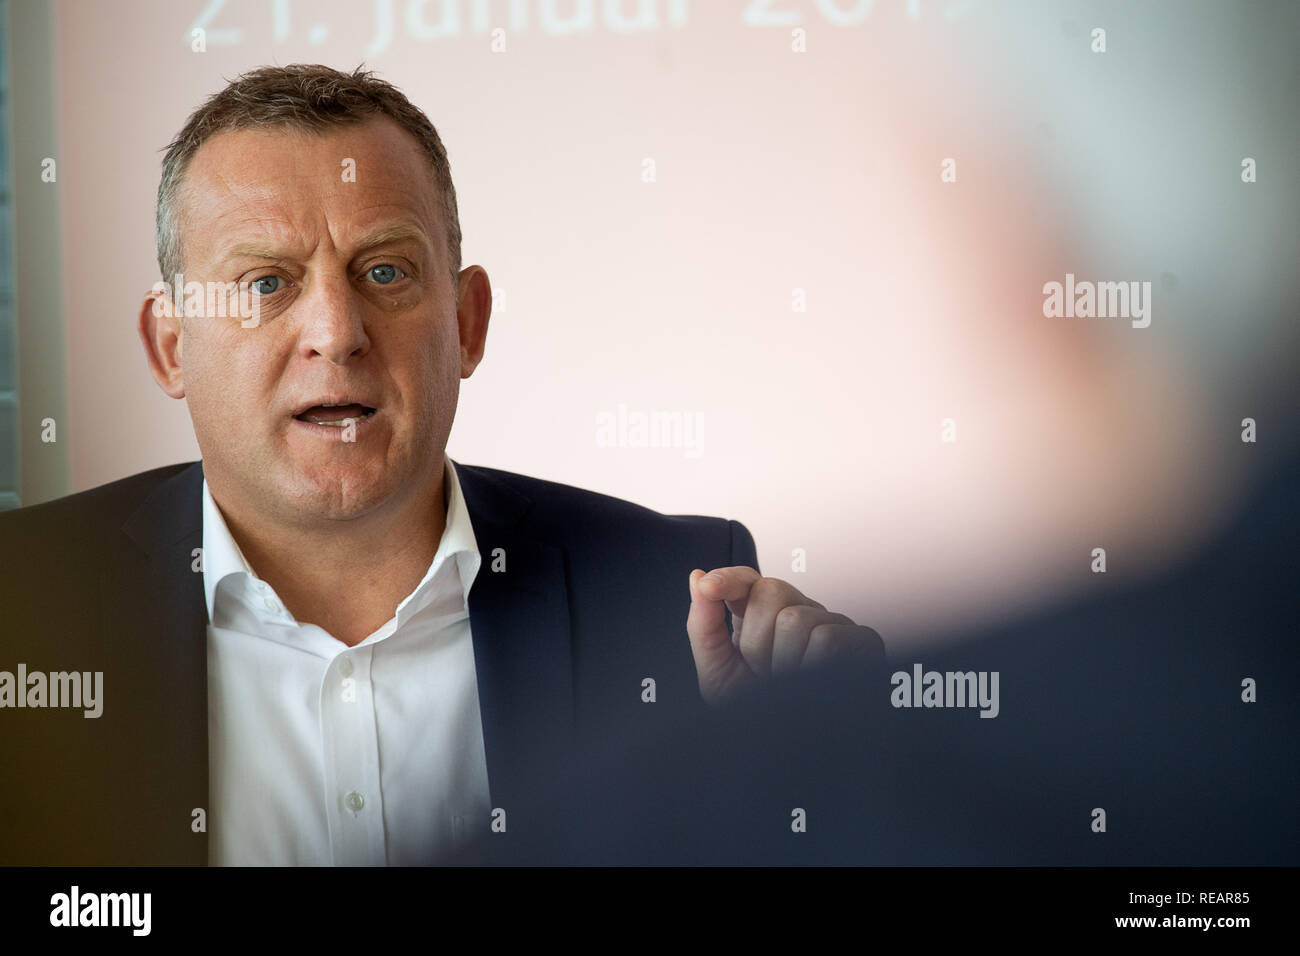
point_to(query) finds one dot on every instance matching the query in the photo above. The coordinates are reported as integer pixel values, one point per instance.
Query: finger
(730, 585)
(833, 643)
(706, 621)
(718, 663)
(794, 627)
(767, 598)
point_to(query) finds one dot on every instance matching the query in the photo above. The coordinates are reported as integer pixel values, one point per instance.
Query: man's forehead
(271, 183)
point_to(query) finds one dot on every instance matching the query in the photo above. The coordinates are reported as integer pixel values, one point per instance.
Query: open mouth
(338, 416)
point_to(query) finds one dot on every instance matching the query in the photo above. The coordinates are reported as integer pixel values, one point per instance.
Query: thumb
(718, 662)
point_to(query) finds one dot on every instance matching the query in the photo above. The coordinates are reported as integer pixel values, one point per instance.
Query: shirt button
(345, 667)
(271, 605)
(355, 801)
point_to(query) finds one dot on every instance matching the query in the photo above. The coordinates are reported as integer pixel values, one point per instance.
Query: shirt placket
(350, 744)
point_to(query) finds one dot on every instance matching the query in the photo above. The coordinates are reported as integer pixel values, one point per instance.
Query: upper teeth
(319, 420)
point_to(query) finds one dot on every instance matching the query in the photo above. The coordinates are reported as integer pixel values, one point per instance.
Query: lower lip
(336, 432)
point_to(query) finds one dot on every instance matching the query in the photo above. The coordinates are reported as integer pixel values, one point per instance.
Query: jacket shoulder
(569, 513)
(83, 515)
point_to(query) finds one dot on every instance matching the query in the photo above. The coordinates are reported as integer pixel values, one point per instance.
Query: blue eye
(261, 289)
(385, 274)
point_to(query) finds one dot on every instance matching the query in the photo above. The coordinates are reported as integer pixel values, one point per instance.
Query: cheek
(433, 365)
(449, 369)
(433, 381)
(225, 381)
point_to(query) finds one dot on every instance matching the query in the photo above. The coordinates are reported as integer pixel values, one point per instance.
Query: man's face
(356, 307)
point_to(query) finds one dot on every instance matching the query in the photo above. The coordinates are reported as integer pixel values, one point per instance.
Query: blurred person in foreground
(1154, 726)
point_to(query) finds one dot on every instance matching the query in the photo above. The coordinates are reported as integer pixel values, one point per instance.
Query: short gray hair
(304, 97)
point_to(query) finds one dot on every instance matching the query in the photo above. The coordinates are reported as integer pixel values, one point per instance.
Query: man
(326, 642)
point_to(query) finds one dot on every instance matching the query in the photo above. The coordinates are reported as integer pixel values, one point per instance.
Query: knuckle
(823, 632)
(795, 617)
(850, 639)
(769, 589)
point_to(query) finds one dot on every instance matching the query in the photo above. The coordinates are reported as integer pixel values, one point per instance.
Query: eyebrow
(392, 235)
(389, 235)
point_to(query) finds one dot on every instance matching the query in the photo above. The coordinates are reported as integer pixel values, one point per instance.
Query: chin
(340, 493)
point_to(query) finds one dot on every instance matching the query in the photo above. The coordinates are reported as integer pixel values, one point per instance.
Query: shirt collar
(222, 556)
(458, 543)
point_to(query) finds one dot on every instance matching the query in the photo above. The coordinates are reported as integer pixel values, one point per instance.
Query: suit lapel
(168, 671)
(519, 620)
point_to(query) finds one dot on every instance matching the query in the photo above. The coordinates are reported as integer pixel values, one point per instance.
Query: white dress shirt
(322, 754)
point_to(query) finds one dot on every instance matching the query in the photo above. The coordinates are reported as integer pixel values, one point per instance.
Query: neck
(346, 577)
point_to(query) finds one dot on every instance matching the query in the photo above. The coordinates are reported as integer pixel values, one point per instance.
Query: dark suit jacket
(592, 600)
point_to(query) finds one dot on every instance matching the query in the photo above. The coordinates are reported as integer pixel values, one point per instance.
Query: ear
(473, 310)
(161, 333)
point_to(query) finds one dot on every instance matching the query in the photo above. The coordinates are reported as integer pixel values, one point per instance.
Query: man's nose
(331, 320)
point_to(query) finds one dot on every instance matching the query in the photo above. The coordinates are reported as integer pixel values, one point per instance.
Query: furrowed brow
(246, 250)
(390, 235)
(394, 235)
